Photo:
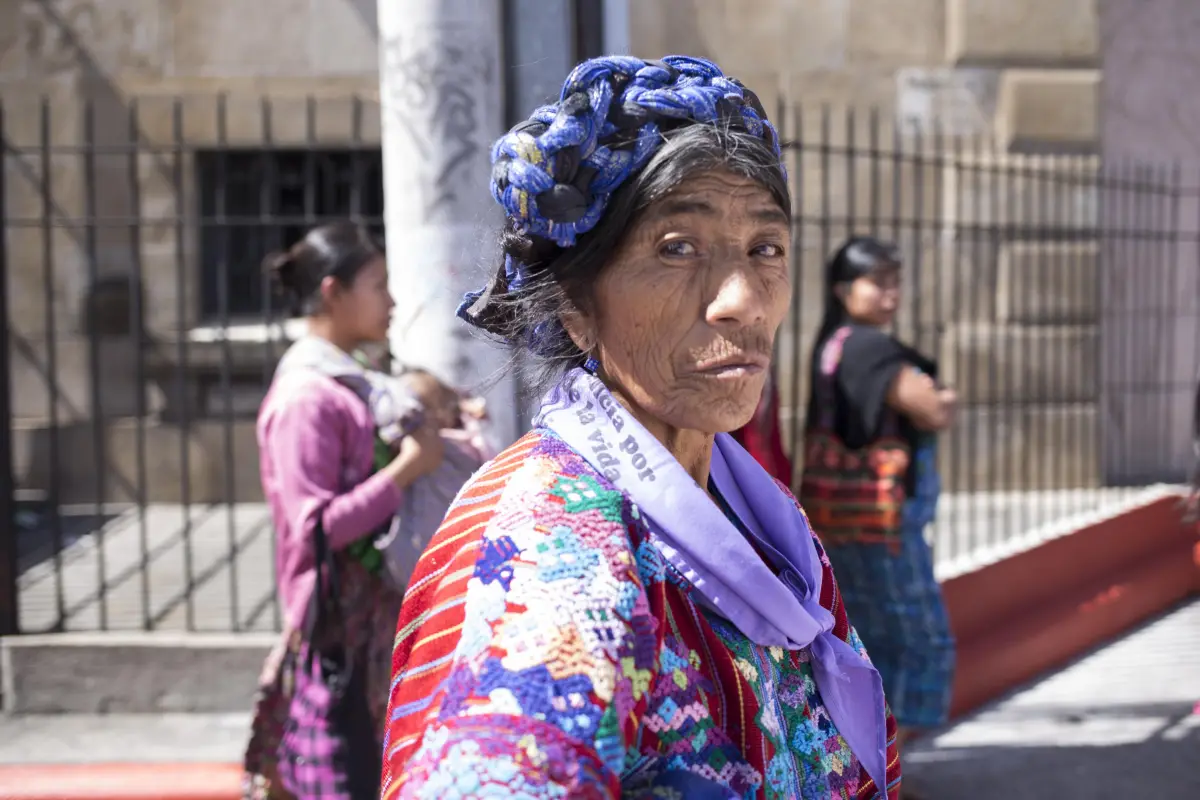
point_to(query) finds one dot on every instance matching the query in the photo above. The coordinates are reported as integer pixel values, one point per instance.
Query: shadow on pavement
(1165, 765)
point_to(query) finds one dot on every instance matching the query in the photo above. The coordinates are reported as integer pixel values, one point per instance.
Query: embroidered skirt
(894, 602)
(370, 610)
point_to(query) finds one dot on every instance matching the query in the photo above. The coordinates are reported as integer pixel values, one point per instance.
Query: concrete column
(442, 106)
(617, 36)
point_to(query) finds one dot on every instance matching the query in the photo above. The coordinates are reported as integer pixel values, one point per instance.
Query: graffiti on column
(437, 83)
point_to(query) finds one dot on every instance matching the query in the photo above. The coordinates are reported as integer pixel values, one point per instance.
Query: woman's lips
(734, 371)
(740, 366)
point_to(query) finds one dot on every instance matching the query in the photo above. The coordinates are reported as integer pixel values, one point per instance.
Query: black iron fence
(1059, 293)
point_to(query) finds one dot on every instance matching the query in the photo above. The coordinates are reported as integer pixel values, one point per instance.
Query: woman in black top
(870, 483)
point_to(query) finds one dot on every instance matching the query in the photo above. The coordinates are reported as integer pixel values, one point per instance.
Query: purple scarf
(694, 535)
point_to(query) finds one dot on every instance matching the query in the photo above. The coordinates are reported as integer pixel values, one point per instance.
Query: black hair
(337, 250)
(859, 256)
(561, 278)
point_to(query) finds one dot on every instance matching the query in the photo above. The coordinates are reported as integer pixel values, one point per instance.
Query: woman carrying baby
(332, 488)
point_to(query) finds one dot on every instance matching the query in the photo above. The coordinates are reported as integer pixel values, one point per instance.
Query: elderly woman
(623, 603)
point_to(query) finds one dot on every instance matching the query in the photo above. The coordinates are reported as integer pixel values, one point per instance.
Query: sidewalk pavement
(1120, 723)
(122, 756)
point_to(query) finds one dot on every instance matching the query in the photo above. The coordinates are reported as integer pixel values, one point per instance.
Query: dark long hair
(859, 256)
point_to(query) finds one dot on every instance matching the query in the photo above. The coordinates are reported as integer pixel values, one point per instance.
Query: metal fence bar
(310, 163)
(1073, 377)
(1119, 299)
(1170, 313)
(99, 445)
(137, 329)
(229, 485)
(9, 547)
(969, 326)
(356, 165)
(851, 202)
(275, 243)
(925, 161)
(993, 243)
(800, 177)
(1195, 421)
(49, 284)
(875, 159)
(1015, 204)
(1139, 325)
(183, 391)
(1097, 299)
(899, 158)
(954, 451)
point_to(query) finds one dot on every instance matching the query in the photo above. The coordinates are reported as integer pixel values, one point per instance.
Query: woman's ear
(579, 327)
(330, 289)
(841, 291)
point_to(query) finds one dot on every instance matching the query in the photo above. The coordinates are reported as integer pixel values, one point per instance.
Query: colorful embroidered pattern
(546, 650)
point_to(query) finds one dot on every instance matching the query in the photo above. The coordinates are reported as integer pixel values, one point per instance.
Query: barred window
(254, 201)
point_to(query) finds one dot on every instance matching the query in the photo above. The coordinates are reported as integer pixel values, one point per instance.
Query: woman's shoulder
(856, 350)
(537, 489)
(543, 475)
(530, 579)
(536, 527)
(307, 393)
(858, 337)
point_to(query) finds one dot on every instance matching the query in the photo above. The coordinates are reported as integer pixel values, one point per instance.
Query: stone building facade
(1022, 75)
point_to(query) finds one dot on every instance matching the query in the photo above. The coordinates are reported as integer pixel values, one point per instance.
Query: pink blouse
(316, 444)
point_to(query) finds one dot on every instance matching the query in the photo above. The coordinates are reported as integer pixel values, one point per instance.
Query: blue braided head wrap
(555, 173)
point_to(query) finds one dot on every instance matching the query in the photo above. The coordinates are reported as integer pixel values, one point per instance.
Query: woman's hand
(949, 401)
(420, 454)
(928, 406)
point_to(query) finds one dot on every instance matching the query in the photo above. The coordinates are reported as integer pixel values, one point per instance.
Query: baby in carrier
(399, 405)
(460, 421)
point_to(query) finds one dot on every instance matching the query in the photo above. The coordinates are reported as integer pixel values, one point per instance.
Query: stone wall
(1022, 70)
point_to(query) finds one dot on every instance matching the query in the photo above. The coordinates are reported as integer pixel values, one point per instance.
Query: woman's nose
(739, 299)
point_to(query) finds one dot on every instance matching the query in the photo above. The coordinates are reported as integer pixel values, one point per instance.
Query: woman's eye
(678, 249)
(769, 250)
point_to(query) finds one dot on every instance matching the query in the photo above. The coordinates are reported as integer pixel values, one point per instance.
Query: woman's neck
(691, 448)
(322, 327)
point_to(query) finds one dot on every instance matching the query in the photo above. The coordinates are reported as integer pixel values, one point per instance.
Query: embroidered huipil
(546, 649)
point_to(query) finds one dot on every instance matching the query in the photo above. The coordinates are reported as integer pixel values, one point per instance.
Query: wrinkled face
(683, 319)
(361, 311)
(873, 298)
